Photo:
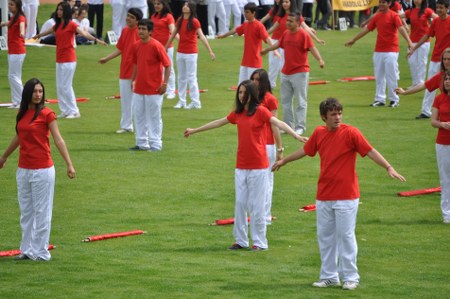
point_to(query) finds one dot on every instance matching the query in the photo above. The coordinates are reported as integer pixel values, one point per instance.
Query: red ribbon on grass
(419, 192)
(113, 235)
(17, 251)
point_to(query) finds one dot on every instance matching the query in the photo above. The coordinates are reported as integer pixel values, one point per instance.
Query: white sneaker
(180, 105)
(72, 116)
(350, 285)
(194, 106)
(62, 115)
(170, 96)
(324, 283)
(299, 131)
(121, 131)
(447, 221)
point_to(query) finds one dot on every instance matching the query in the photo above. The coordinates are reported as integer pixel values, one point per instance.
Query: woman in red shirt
(16, 49)
(163, 26)
(251, 163)
(440, 118)
(65, 31)
(36, 174)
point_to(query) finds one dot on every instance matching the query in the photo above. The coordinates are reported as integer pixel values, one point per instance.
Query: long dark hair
(164, 11)
(190, 26)
(422, 7)
(67, 15)
(18, 13)
(27, 96)
(250, 97)
(276, 8)
(292, 8)
(447, 50)
(264, 83)
(446, 75)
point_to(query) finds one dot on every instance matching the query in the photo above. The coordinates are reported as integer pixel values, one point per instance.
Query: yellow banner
(348, 5)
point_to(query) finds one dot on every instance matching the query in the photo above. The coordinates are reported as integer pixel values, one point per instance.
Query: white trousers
(187, 77)
(336, 223)
(272, 154)
(15, 63)
(119, 15)
(30, 11)
(275, 65)
(126, 103)
(245, 73)
(295, 85)
(428, 97)
(386, 72)
(232, 9)
(217, 9)
(418, 64)
(250, 198)
(171, 83)
(64, 89)
(148, 120)
(443, 161)
(35, 188)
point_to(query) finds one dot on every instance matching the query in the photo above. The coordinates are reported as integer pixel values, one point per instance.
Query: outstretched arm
(312, 33)
(270, 48)
(414, 89)
(231, 32)
(113, 55)
(298, 154)
(90, 37)
(9, 150)
(209, 126)
(380, 160)
(283, 126)
(361, 34)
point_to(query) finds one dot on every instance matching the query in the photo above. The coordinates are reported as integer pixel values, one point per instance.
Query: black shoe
(21, 257)
(422, 116)
(136, 148)
(394, 104)
(236, 246)
(377, 104)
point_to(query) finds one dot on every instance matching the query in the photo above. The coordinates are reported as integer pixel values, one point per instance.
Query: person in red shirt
(385, 57)
(36, 172)
(65, 31)
(251, 163)
(337, 192)
(127, 39)
(419, 17)
(440, 119)
(295, 73)
(189, 29)
(254, 34)
(151, 69)
(440, 30)
(16, 50)
(163, 26)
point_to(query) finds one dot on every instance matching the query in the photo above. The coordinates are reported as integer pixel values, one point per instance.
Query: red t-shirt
(440, 29)
(435, 82)
(271, 103)
(125, 44)
(251, 152)
(254, 33)
(150, 59)
(396, 7)
(65, 39)
(419, 25)
(34, 143)
(16, 44)
(387, 25)
(442, 104)
(161, 30)
(296, 46)
(281, 26)
(337, 150)
(188, 38)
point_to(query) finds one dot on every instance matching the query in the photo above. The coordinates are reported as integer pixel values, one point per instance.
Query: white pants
(187, 77)
(64, 89)
(272, 154)
(216, 9)
(428, 97)
(15, 63)
(386, 72)
(119, 15)
(232, 9)
(35, 188)
(30, 11)
(275, 65)
(171, 83)
(336, 223)
(295, 85)
(148, 120)
(250, 197)
(418, 64)
(126, 103)
(443, 161)
(245, 73)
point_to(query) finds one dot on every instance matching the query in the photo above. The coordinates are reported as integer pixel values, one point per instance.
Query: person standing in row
(66, 60)
(124, 48)
(36, 173)
(16, 50)
(189, 29)
(95, 11)
(30, 9)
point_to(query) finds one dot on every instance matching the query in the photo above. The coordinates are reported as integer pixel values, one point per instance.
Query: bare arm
(265, 18)
(163, 87)
(171, 38)
(298, 154)
(311, 33)
(47, 32)
(61, 145)
(436, 123)
(270, 48)
(283, 126)
(380, 160)
(90, 37)
(277, 137)
(273, 28)
(405, 35)
(315, 53)
(231, 32)
(113, 55)
(205, 42)
(22, 29)
(361, 34)
(418, 44)
(209, 126)
(13, 145)
(417, 88)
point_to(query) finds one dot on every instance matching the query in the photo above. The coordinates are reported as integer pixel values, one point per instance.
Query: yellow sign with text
(349, 5)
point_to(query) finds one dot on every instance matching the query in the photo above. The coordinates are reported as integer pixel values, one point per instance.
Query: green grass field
(174, 194)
